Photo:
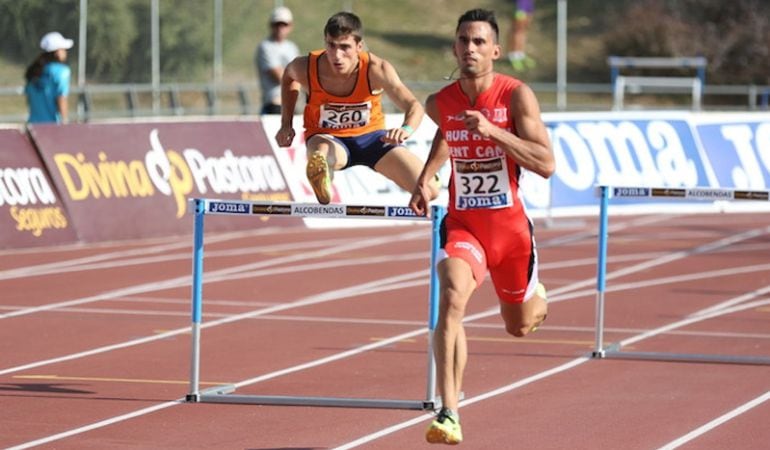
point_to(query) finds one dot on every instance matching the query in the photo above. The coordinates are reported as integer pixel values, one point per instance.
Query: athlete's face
(476, 48)
(342, 53)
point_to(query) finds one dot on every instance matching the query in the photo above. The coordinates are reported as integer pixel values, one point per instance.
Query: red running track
(95, 342)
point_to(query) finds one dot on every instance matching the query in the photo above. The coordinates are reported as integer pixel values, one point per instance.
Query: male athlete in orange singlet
(489, 128)
(344, 121)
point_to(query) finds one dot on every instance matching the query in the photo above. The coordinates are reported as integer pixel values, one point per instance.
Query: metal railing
(107, 101)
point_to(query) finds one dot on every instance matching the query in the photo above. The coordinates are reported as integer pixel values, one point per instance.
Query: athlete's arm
(439, 153)
(293, 80)
(530, 147)
(63, 107)
(384, 76)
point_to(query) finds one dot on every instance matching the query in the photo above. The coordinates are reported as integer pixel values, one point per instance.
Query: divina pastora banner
(93, 182)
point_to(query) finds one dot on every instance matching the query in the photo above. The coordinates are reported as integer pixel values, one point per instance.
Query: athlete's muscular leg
(335, 154)
(403, 168)
(450, 349)
(521, 318)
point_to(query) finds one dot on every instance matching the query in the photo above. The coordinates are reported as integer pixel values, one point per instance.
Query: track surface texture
(95, 342)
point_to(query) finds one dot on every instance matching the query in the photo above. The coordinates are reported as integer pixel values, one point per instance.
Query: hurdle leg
(438, 213)
(197, 286)
(601, 269)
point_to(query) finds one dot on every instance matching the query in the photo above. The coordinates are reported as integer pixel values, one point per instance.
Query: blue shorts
(366, 149)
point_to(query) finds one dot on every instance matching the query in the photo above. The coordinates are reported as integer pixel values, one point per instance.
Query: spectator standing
(272, 56)
(517, 35)
(48, 81)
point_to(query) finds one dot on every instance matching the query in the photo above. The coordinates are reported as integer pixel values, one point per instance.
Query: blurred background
(196, 57)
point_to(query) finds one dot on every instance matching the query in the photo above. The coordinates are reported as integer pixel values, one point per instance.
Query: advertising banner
(31, 213)
(655, 149)
(131, 180)
(645, 148)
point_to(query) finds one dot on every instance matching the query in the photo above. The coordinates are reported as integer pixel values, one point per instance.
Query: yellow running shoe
(317, 171)
(445, 429)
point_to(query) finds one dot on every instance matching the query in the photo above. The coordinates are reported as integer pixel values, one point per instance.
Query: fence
(195, 99)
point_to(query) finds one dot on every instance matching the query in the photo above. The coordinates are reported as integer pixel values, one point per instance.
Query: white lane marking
(746, 297)
(76, 263)
(94, 426)
(493, 393)
(107, 262)
(359, 289)
(414, 421)
(185, 280)
(691, 320)
(717, 422)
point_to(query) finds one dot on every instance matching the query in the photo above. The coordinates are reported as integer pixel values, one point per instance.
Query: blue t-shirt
(42, 93)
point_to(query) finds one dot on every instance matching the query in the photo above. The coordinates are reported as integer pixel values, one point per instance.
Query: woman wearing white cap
(48, 81)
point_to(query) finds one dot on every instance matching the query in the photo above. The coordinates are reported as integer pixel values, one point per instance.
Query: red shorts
(508, 253)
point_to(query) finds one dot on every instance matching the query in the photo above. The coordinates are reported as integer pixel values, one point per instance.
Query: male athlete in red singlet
(344, 121)
(490, 129)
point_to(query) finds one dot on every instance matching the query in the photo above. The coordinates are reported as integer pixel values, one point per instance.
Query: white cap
(281, 14)
(54, 41)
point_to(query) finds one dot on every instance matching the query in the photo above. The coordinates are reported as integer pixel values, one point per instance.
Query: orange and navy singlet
(355, 114)
(486, 222)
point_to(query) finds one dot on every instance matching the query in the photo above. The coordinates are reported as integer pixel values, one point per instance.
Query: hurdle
(615, 351)
(224, 394)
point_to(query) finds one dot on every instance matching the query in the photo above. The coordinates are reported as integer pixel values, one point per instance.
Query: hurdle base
(195, 397)
(340, 402)
(685, 357)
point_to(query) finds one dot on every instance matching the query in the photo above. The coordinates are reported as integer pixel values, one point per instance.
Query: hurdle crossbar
(224, 394)
(606, 193)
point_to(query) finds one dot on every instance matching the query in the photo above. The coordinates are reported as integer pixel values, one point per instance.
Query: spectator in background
(517, 36)
(273, 55)
(48, 81)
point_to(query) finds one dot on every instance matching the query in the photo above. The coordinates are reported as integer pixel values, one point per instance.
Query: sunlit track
(551, 355)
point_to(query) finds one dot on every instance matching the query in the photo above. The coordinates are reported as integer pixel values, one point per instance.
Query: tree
(734, 36)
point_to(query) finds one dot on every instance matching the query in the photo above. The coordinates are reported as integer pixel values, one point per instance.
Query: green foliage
(24, 22)
(415, 35)
(112, 34)
(734, 36)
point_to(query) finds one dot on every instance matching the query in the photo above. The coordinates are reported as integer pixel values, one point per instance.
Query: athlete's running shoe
(317, 171)
(445, 429)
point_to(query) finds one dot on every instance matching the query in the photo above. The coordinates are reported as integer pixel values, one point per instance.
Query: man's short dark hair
(343, 24)
(480, 15)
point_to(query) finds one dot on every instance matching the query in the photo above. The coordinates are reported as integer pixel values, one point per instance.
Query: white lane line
(185, 280)
(691, 320)
(414, 421)
(748, 296)
(385, 283)
(493, 393)
(576, 362)
(717, 422)
(94, 426)
(98, 263)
